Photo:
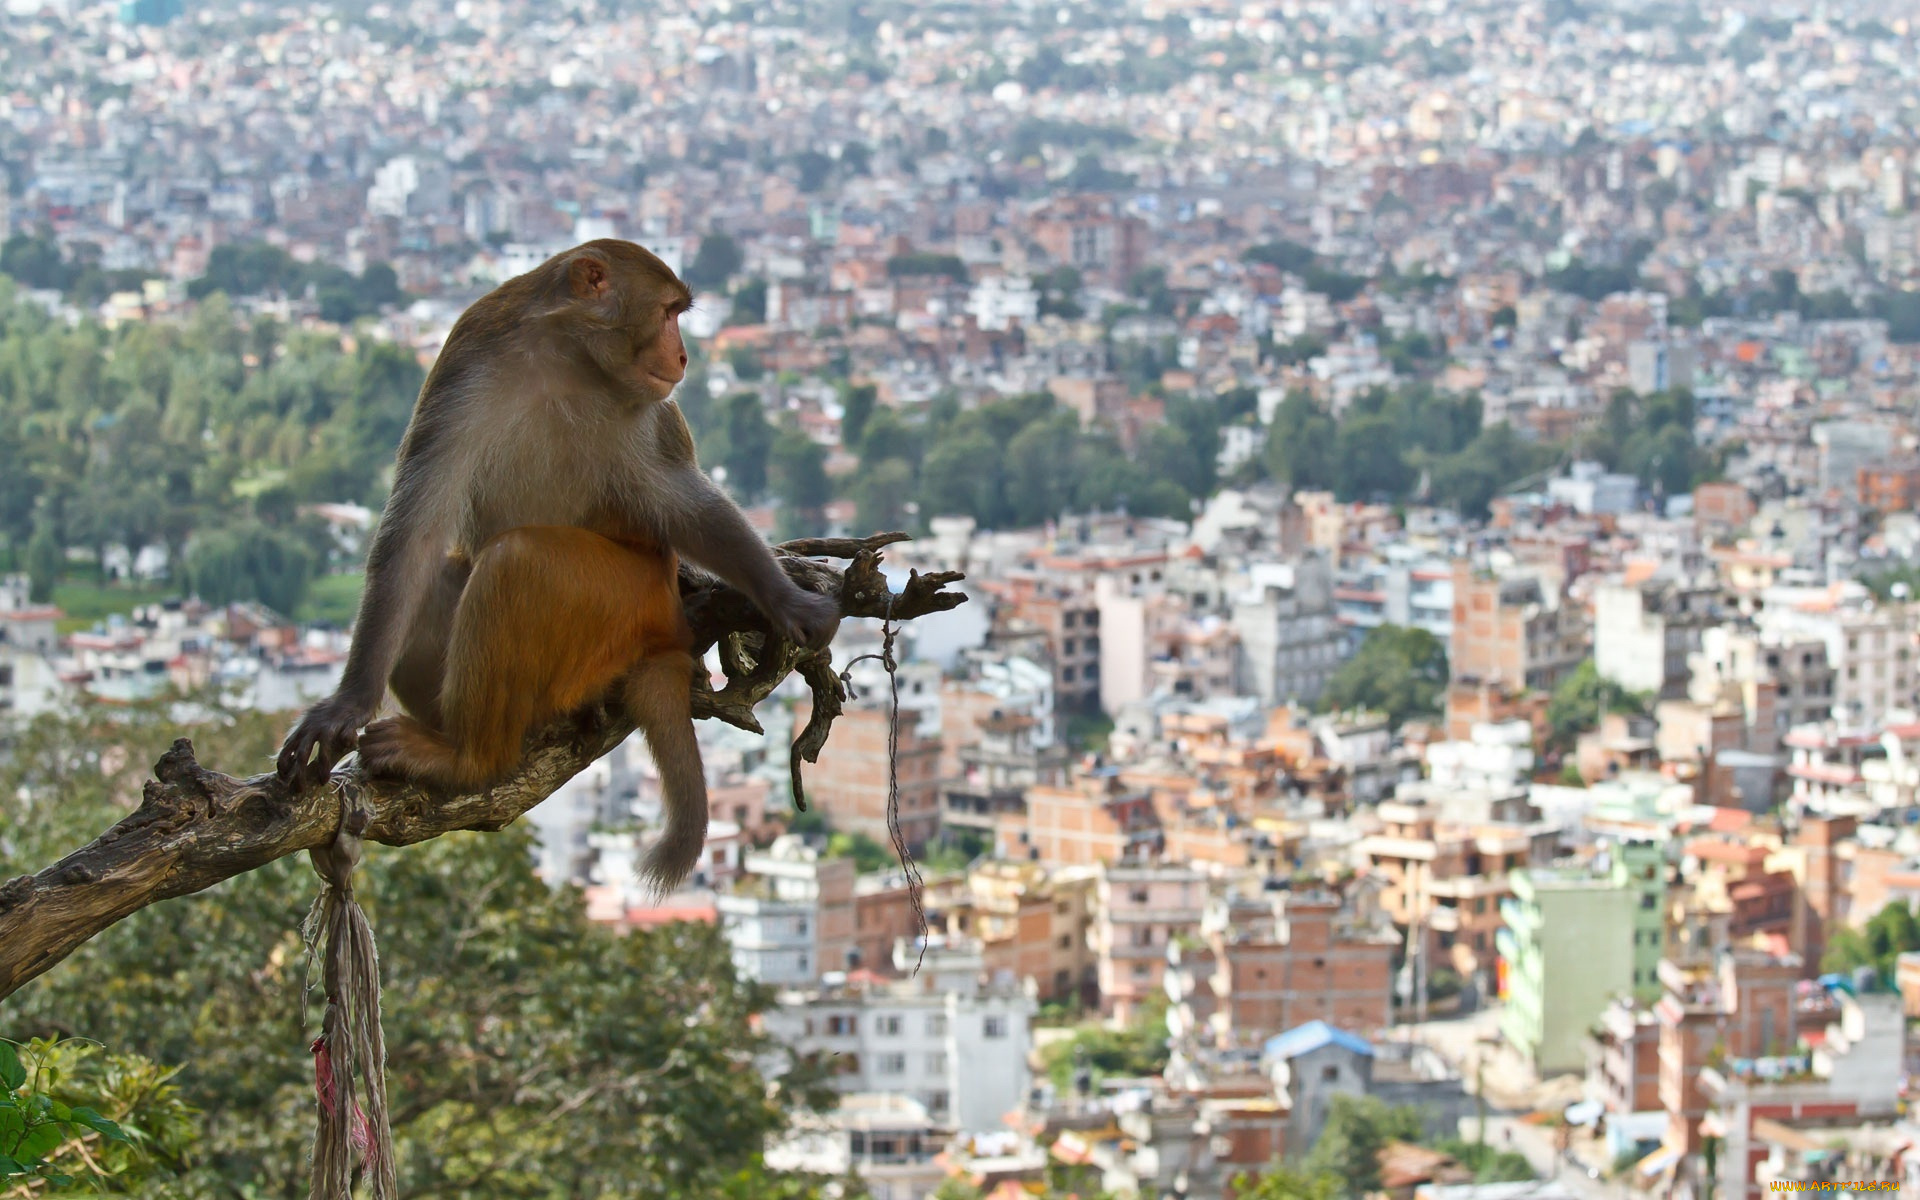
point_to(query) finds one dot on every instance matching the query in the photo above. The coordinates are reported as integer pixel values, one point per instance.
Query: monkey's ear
(589, 278)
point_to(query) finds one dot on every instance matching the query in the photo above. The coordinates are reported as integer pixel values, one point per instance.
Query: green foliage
(747, 444)
(69, 1112)
(249, 561)
(925, 263)
(1576, 704)
(750, 302)
(1888, 934)
(1285, 1181)
(45, 561)
(1387, 445)
(1488, 1164)
(1357, 1128)
(38, 261)
(797, 473)
(718, 258)
(531, 1052)
(856, 410)
(1882, 583)
(867, 854)
(1399, 670)
(259, 269)
(1651, 438)
(333, 599)
(1138, 1050)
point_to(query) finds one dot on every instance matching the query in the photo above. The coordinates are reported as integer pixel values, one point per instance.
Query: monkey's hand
(322, 738)
(804, 618)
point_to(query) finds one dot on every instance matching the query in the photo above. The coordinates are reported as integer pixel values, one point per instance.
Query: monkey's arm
(708, 530)
(406, 548)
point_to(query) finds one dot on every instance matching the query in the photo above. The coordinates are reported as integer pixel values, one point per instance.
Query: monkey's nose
(683, 360)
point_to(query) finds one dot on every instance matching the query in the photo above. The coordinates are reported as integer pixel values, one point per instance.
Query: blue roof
(1304, 1039)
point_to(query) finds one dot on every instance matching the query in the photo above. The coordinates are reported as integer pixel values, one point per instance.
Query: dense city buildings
(1435, 483)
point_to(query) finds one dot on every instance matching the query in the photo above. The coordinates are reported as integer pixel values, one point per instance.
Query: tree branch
(195, 827)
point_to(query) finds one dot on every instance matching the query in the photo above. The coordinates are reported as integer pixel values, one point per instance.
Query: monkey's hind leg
(658, 695)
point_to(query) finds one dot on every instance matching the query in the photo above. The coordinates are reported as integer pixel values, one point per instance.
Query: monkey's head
(622, 310)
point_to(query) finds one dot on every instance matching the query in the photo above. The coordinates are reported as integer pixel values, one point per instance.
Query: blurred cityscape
(1436, 481)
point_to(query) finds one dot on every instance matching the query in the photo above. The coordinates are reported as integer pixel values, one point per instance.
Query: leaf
(40, 1141)
(10, 1167)
(58, 1111)
(99, 1124)
(12, 1075)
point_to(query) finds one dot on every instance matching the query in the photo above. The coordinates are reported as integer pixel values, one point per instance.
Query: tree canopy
(1399, 670)
(532, 1053)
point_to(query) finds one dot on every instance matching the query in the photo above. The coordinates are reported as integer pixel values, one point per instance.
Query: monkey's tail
(658, 696)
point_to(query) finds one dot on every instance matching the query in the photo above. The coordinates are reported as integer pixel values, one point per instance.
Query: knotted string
(894, 831)
(350, 1055)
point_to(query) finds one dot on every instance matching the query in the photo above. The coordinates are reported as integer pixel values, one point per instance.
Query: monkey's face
(628, 306)
(659, 356)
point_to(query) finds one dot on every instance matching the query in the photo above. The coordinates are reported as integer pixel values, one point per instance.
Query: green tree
(1300, 443)
(1283, 1181)
(881, 493)
(962, 476)
(797, 474)
(1357, 1129)
(1888, 934)
(1399, 670)
(45, 560)
(71, 1111)
(749, 444)
(250, 561)
(718, 258)
(750, 302)
(531, 1052)
(856, 410)
(1577, 703)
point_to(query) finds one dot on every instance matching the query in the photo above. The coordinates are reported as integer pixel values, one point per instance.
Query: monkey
(526, 561)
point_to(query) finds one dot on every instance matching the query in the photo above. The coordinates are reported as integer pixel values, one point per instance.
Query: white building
(959, 1050)
(1644, 633)
(1000, 301)
(407, 186)
(1590, 490)
(1870, 646)
(790, 919)
(890, 1141)
(1289, 636)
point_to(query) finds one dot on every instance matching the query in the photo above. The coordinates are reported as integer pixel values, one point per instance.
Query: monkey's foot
(403, 748)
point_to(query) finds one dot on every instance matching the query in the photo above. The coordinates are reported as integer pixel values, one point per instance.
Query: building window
(1068, 674)
(936, 1064)
(937, 1103)
(893, 1064)
(890, 1026)
(1330, 1073)
(937, 1025)
(993, 1027)
(842, 1025)
(1137, 895)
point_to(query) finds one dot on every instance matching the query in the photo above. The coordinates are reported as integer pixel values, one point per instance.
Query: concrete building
(1785, 675)
(1289, 635)
(1556, 985)
(960, 1051)
(888, 1140)
(1644, 633)
(1138, 909)
(790, 918)
(1285, 958)
(850, 784)
(1512, 630)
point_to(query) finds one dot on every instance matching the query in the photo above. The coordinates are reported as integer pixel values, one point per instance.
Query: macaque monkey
(526, 562)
